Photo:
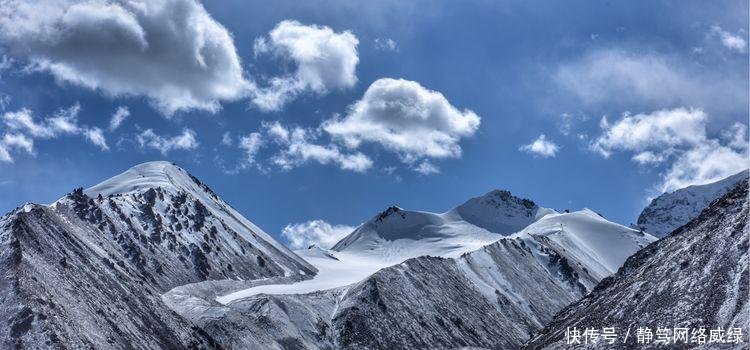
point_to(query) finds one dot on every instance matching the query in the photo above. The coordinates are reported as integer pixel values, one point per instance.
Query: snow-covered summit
(162, 186)
(500, 212)
(671, 210)
(148, 175)
(601, 245)
(396, 234)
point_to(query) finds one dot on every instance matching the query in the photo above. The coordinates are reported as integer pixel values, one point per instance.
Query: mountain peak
(500, 211)
(144, 176)
(673, 209)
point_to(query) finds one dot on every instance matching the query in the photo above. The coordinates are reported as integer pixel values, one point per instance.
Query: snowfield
(396, 235)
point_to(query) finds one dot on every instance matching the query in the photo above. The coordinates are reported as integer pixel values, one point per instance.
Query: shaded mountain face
(696, 277)
(493, 297)
(87, 270)
(673, 209)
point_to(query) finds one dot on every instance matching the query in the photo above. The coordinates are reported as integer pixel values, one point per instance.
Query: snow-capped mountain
(397, 234)
(87, 271)
(695, 278)
(494, 295)
(673, 209)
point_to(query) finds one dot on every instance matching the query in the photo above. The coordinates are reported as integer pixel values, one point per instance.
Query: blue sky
(334, 110)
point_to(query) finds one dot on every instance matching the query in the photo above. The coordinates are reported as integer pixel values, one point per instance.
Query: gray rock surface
(696, 277)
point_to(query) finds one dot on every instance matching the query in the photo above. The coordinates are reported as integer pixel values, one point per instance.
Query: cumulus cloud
(118, 117)
(731, 41)
(164, 144)
(324, 60)
(404, 117)
(660, 131)
(170, 51)
(299, 147)
(385, 44)
(616, 77)
(541, 147)
(21, 128)
(317, 232)
(678, 136)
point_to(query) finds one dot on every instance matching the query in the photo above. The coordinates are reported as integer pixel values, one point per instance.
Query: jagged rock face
(673, 209)
(696, 277)
(59, 291)
(88, 270)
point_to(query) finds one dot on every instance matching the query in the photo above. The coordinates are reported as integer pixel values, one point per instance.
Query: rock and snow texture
(495, 296)
(87, 271)
(673, 209)
(396, 235)
(696, 277)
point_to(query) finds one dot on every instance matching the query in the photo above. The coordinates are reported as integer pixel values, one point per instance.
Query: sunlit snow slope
(674, 209)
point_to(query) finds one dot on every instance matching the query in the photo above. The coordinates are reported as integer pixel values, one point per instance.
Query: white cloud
(731, 41)
(96, 137)
(250, 144)
(659, 131)
(18, 141)
(616, 77)
(406, 118)
(21, 128)
(541, 147)
(164, 144)
(318, 232)
(325, 60)
(118, 117)
(648, 158)
(298, 148)
(170, 51)
(705, 163)
(678, 135)
(735, 136)
(426, 168)
(226, 139)
(385, 44)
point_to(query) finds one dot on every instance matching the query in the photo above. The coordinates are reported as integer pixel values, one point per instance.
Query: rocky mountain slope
(495, 296)
(671, 210)
(87, 271)
(697, 277)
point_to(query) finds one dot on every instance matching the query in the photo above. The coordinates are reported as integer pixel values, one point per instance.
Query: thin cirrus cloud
(118, 118)
(612, 77)
(172, 52)
(22, 128)
(315, 232)
(541, 147)
(385, 44)
(678, 136)
(324, 60)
